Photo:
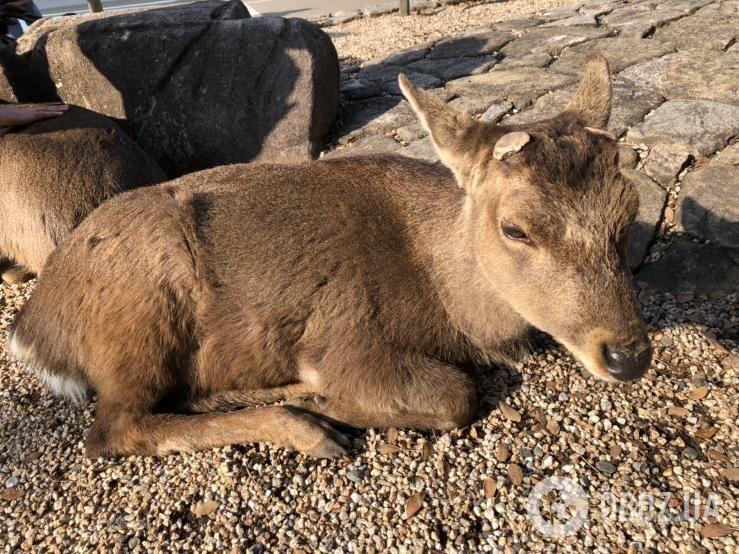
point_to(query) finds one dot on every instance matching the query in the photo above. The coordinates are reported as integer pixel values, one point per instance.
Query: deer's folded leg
(120, 433)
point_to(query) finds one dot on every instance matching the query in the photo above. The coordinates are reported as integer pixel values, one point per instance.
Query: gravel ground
(367, 39)
(672, 438)
(672, 433)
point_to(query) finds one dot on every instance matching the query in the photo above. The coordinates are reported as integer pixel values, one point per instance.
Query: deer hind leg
(418, 393)
(228, 400)
(121, 432)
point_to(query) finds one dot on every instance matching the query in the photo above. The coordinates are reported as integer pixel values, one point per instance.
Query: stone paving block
(729, 155)
(520, 85)
(496, 112)
(471, 44)
(551, 40)
(453, 68)
(709, 203)
(691, 267)
(357, 89)
(574, 20)
(652, 199)
(410, 133)
(630, 105)
(374, 115)
(471, 105)
(561, 12)
(651, 14)
(403, 57)
(703, 126)
(375, 144)
(620, 52)
(707, 29)
(422, 149)
(516, 26)
(536, 59)
(665, 160)
(697, 74)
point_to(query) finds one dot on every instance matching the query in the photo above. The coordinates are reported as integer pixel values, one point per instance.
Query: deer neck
(473, 305)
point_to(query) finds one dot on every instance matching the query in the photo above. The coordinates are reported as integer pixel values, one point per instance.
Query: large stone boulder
(55, 172)
(197, 85)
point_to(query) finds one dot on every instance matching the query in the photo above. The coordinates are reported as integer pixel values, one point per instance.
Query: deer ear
(592, 101)
(452, 132)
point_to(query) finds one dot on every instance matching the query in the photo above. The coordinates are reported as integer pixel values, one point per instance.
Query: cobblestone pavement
(670, 439)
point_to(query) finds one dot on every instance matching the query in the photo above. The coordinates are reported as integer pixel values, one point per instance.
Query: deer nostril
(627, 363)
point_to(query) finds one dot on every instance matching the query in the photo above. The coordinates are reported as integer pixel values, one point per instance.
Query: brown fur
(54, 173)
(369, 281)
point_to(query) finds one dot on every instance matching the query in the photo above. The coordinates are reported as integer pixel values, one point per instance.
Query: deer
(361, 290)
(54, 173)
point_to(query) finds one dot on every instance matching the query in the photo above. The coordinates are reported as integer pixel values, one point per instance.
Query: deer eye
(514, 232)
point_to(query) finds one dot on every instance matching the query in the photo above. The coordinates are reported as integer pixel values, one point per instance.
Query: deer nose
(627, 362)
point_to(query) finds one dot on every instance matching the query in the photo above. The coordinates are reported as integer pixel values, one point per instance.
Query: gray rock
(729, 155)
(627, 157)
(650, 14)
(690, 453)
(12, 481)
(374, 115)
(689, 266)
(421, 80)
(709, 204)
(386, 77)
(636, 29)
(411, 133)
(686, 6)
(605, 467)
(422, 149)
(355, 476)
(374, 144)
(561, 12)
(693, 74)
(209, 85)
(551, 40)
(703, 126)
(519, 24)
(597, 9)
(453, 68)
(496, 112)
(471, 44)
(403, 57)
(708, 29)
(574, 20)
(520, 85)
(630, 104)
(357, 89)
(471, 105)
(620, 52)
(652, 201)
(537, 59)
(665, 161)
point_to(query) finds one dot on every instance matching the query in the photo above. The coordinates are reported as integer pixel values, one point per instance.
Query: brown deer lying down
(52, 174)
(368, 281)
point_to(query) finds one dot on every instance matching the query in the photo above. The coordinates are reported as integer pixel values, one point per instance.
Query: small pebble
(605, 467)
